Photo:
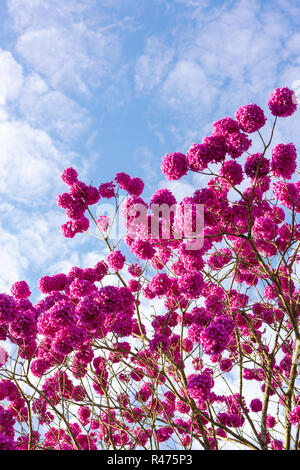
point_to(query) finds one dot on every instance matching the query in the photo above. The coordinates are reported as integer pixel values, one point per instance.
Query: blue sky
(113, 85)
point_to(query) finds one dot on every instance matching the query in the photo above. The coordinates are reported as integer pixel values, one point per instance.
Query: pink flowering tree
(185, 335)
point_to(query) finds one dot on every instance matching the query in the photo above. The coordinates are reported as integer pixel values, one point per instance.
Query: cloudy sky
(113, 85)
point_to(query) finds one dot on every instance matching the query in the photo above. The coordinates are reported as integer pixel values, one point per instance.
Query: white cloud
(92, 257)
(226, 56)
(29, 162)
(12, 261)
(194, 3)
(52, 53)
(65, 42)
(147, 161)
(188, 83)
(35, 246)
(152, 66)
(41, 13)
(178, 188)
(40, 238)
(64, 265)
(34, 85)
(51, 110)
(11, 77)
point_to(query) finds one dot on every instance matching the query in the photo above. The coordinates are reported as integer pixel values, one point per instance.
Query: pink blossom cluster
(141, 349)
(284, 159)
